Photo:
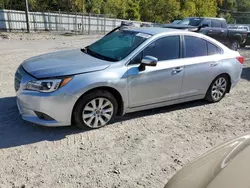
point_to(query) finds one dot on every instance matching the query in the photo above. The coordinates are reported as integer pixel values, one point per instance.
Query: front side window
(166, 48)
(195, 47)
(208, 22)
(116, 46)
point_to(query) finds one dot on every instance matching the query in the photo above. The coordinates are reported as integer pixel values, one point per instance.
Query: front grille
(18, 78)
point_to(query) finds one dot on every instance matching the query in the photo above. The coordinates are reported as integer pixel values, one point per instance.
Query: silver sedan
(125, 71)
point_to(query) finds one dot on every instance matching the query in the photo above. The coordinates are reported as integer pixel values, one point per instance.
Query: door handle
(210, 31)
(214, 64)
(177, 70)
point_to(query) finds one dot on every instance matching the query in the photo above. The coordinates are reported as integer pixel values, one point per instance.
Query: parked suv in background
(215, 28)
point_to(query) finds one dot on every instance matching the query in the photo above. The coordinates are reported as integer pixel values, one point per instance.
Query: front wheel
(234, 45)
(217, 89)
(95, 110)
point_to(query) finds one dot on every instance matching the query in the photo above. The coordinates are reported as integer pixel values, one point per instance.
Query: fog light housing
(43, 116)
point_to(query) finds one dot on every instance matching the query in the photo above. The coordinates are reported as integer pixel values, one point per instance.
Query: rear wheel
(218, 88)
(234, 45)
(95, 110)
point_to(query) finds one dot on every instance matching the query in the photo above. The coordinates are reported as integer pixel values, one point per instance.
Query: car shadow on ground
(15, 132)
(246, 73)
(161, 110)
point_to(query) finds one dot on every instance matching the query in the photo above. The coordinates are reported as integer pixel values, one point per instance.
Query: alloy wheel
(219, 88)
(235, 46)
(98, 112)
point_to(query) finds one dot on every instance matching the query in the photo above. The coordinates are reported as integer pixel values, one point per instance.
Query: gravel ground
(141, 149)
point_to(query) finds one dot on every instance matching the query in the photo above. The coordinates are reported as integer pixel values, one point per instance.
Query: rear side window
(195, 47)
(166, 48)
(216, 23)
(212, 49)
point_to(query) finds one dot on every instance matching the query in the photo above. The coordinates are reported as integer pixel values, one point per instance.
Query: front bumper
(57, 105)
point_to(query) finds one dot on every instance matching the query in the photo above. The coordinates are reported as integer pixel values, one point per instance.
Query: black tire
(84, 101)
(209, 96)
(234, 45)
(243, 45)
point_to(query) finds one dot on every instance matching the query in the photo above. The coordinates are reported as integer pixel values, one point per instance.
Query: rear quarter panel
(232, 67)
(237, 34)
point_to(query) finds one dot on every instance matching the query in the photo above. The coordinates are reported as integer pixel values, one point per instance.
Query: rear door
(218, 31)
(201, 66)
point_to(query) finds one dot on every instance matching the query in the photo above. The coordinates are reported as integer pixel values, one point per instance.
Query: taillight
(240, 59)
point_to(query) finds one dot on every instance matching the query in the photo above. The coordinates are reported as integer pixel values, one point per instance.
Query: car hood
(63, 63)
(222, 166)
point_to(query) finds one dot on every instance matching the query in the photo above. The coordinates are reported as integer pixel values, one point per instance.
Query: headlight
(47, 85)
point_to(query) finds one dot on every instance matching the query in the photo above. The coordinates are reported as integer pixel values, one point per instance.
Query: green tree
(243, 6)
(159, 11)
(205, 7)
(93, 6)
(188, 9)
(229, 18)
(3, 4)
(233, 11)
(133, 10)
(115, 7)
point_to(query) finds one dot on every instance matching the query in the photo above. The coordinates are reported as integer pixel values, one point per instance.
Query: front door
(156, 84)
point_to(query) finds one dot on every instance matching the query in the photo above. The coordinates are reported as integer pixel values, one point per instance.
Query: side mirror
(202, 26)
(148, 61)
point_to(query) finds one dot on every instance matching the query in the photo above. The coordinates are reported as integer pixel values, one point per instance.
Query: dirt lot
(140, 150)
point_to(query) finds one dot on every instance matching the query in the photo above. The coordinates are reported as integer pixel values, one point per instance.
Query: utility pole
(82, 15)
(27, 16)
(83, 6)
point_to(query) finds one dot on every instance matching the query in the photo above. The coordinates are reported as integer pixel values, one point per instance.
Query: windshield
(191, 21)
(117, 45)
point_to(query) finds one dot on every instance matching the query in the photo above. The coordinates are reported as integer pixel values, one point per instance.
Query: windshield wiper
(97, 55)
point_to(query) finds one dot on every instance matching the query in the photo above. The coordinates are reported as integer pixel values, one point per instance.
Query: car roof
(155, 30)
(158, 30)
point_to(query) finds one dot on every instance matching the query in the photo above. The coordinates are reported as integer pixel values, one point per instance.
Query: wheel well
(237, 38)
(113, 91)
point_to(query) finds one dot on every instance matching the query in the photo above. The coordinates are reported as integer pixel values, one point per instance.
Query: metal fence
(12, 20)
